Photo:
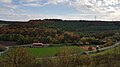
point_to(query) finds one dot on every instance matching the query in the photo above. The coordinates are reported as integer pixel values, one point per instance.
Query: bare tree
(18, 57)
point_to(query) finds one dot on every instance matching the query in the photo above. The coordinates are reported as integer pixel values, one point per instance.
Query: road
(102, 49)
(7, 48)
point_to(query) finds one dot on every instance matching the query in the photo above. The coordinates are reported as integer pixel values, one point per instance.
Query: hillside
(59, 31)
(81, 26)
(70, 25)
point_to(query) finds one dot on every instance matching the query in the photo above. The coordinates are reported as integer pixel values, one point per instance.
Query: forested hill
(10, 22)
(78, 25)
(3, 21)
(69, 25)
(57, 31)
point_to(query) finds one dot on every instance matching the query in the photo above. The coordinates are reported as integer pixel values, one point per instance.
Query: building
(37, 45)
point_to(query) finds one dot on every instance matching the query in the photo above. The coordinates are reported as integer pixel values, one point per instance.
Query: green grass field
(50, 51)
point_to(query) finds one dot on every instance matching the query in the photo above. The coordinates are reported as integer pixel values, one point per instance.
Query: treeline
(74, 20)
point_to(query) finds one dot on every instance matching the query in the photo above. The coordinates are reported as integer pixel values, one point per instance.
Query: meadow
(52, 51)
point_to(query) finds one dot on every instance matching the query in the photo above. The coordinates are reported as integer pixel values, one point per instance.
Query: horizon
(61, 20)
(25, 10)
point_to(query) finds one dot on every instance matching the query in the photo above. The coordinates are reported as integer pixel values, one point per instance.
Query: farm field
(51, 51)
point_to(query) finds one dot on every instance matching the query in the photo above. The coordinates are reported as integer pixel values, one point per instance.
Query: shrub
(90, 48)
(2, 48)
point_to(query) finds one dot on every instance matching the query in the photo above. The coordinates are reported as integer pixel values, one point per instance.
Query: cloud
(32, 3)
(99, 6)
(103, 9)
(10, 11)
(6, 1)
(37, 3)
(14, 17)
(83, 6)
(58, 1)
(86, 9)
(26, 17)
(6, 5)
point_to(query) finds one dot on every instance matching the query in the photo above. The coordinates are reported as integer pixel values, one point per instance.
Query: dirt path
(87, 47)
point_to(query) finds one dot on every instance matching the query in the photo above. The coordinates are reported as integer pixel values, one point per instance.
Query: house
(37, 45)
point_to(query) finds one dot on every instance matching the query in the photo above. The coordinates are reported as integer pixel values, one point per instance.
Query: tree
(2, 48)
(18, 57)
(49, 39)
(61, 37)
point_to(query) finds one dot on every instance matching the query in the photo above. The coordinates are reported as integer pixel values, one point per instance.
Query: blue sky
(24, 10)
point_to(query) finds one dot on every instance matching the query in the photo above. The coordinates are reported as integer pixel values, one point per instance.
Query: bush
(2, 48)
(90, 48)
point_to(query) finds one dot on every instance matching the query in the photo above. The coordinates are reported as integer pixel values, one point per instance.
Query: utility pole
(95, 17)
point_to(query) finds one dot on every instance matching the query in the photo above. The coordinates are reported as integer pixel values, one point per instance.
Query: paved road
(102, 49)
(7, 48)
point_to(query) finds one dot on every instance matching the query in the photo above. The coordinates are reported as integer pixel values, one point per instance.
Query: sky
(24, 10)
